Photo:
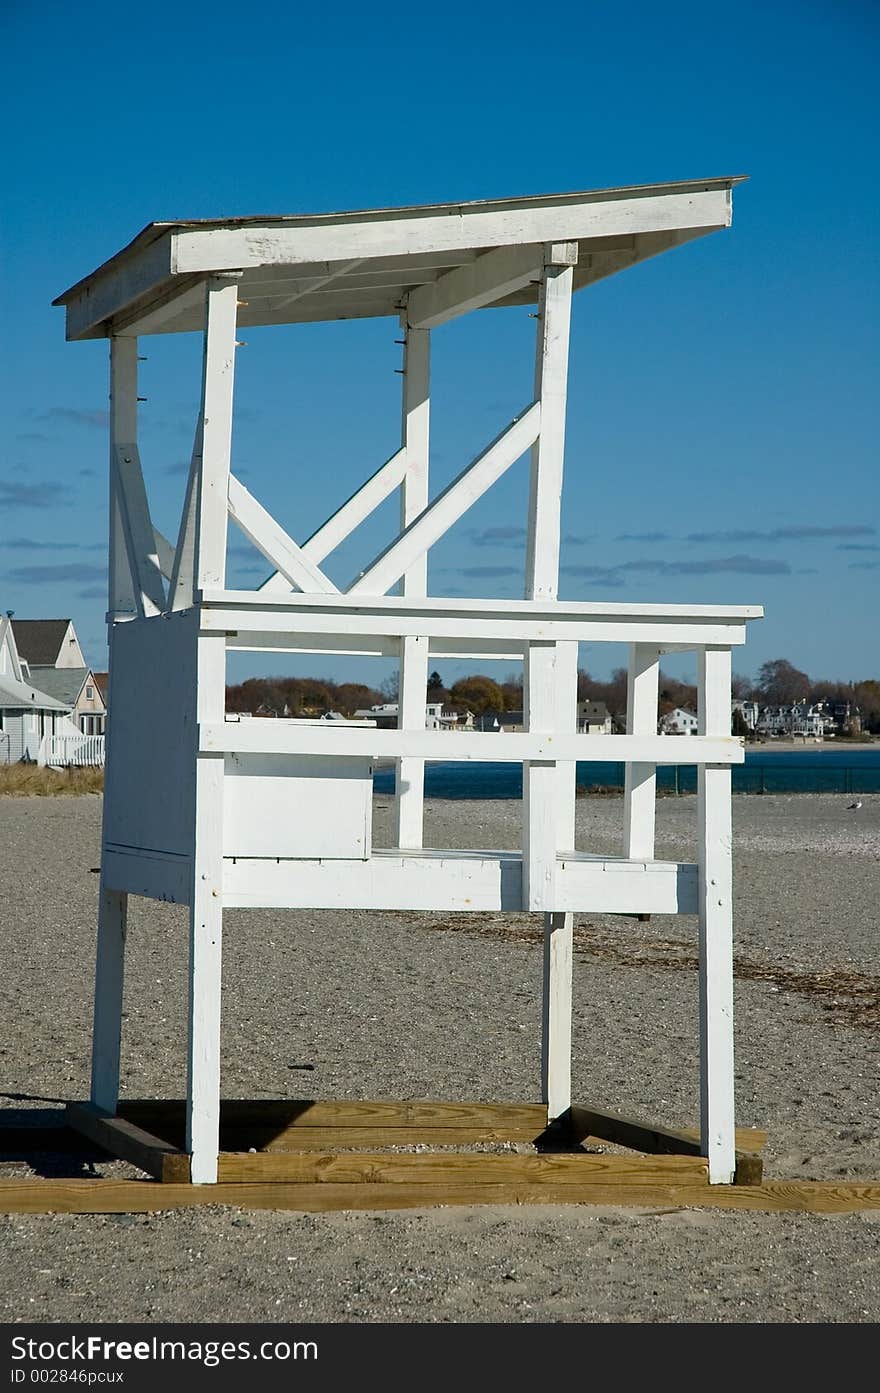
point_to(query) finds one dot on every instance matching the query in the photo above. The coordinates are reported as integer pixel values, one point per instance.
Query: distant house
(50, 650)
(437, 716)
(679, 722)
(27, 713)
(749, 710)
(593, 718)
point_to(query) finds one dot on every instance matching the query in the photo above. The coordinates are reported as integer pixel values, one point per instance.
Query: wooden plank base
(130, 1143)
(145, 1196)
(582, 1122)
(333, 1144)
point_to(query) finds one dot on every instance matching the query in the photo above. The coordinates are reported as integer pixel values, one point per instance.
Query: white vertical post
(566, 722)
(540, 781)
(123, 431)
(415, 438)
(556, 1015)
(550, 680)
(717, 1133)
(639, 799)
(218, 377)
(206, 925)
(109, 975)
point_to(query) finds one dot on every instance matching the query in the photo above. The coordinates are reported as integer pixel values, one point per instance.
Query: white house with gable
(678, 722)
(27, 714)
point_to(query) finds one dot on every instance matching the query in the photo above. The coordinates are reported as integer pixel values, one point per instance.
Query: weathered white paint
(640, 789)
(716, 927)
(138, 281)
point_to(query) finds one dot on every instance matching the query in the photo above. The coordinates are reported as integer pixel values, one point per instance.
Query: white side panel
(442, 880)
(281, 805)
(151, 735)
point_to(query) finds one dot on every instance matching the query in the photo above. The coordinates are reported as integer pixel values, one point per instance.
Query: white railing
(66, 750)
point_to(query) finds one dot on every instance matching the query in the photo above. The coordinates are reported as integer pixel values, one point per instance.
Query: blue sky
(723, 428)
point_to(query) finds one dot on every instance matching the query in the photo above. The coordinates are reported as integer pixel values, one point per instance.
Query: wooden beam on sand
(582, 1122)
(476, 1168)
(145, 1196)
(130, 1143)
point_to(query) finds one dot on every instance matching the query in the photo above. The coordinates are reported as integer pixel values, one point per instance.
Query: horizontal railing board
(282, 737)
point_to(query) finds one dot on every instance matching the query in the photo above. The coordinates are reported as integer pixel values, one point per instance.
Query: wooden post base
(329, 1155)
(323, 1156)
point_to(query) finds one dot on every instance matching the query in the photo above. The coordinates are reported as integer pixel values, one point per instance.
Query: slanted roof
(62, 683)
(24, 696)
(297, 268)
(39, 640)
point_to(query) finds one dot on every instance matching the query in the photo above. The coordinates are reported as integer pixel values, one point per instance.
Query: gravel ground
(447, 1006)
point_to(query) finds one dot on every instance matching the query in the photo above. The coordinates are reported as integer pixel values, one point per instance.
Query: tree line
(778, 683)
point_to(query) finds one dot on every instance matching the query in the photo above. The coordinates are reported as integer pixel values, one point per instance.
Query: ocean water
(765, 771)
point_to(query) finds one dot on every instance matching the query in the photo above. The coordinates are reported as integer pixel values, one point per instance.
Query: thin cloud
(740, 565)
(181, 467)
(864, 565)
(48, 575)
(784, 534)
(75, 416)
(32, 435)
(498, 536)
(28, 544)
(644, 537)
(858, 546)
(93, 592)
(87, 473)
(46, 495)
(475, 571)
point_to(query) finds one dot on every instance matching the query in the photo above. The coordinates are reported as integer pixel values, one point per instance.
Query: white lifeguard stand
(211, 811)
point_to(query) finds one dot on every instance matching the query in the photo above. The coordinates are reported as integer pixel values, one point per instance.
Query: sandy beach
(447, 1006)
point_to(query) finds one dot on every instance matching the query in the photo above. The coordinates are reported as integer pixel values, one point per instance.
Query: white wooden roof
(305, 267)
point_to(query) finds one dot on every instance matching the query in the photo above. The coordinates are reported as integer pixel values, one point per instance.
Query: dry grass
(30, 781)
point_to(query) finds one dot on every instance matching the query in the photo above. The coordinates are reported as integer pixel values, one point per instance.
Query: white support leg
(218, 378)
(540, 782)
(640, 793)
(415, 436)
(556, 1022)
(122, 603)
(109, 977)
(566, 722)
(716, 928)
(550, 682)
(206, 928)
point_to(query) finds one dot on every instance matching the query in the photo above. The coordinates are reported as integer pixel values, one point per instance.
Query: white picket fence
(66, 750)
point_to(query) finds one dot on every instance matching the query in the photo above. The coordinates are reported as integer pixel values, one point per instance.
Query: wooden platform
(317, 1156)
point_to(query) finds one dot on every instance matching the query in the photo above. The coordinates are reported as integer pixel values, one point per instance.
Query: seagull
(854, 807)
